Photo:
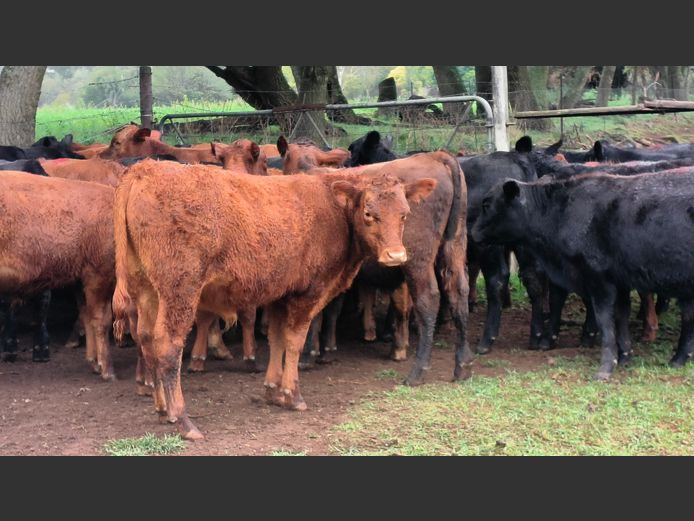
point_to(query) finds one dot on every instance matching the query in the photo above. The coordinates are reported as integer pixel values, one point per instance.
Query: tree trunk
(675, 83)
(262, 87)
(483, 86)
(336, 96)
(146, 96)
(312, 84)
(20, 88)
(528, 94)
(450, 84)
(605, 87)
(574, 82)
(387, 91)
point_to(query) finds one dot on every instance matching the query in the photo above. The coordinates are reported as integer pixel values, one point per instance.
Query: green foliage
(287, 453)
(147, 445)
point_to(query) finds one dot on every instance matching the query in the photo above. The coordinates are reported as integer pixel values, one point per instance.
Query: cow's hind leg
(455, 285)
(215, 342)
(557, 299)
(328, 330)
(203, 321)
(40, 352)
(534, 281)
(603, 296)
(9, 332)
(402, 305)
(622, 311)
(174, 319)
(648, 316)
(247, 320)
(99, 318)
(496, 274)
(685, 345)
(426, 297)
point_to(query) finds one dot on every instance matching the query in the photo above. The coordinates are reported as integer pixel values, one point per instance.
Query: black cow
(369, 149)
(602, 151)
(481, 174)
(605, 235)
(55, 150)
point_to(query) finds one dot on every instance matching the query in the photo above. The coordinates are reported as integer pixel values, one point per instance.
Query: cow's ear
(141, 134)
(420, 189)
(282, 145)
(372, 139)
(67, 140)
(524, 145)
(598, 151)
(155, 134)
(345, 193)
(255, 151)
(511, 190)
(553, 149)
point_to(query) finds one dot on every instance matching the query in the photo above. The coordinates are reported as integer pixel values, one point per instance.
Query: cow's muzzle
(393, 257)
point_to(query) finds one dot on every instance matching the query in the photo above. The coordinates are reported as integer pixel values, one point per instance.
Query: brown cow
(103, 171)
(301, 157)
(436, 237)
(189, 240)
(56, 232)
(243, 155)
(129, 143)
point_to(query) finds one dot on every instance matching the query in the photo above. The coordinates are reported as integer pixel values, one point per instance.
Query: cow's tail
(121, 298)
(456, 216)
(450, 262)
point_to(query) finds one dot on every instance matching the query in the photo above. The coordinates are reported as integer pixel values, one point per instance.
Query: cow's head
(302, 157)
(243, 155)
(378, 212)
(502, 217)
(369, 149)
(130, 141)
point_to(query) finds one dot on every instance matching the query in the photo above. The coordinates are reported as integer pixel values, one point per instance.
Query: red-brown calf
(190, 240)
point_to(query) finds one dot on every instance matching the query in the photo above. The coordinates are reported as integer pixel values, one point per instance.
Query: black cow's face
(502, 218)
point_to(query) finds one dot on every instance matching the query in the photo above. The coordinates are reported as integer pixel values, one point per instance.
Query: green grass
(387, 374)
(555, 409)
(90, 125)
(147, 445)
(558, 410)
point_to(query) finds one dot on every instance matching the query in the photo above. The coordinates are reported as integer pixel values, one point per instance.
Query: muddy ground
(61, 408)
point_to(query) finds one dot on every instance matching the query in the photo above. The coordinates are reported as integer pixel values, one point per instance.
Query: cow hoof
(293, 400)
(96, 367)
(196, 365)
(483, 349)
(273, 396)
(220, 354)
(676, 362)
(9, 357)
(398, 355)
(625, 359)
(144, 390)
(370, 336)
(387, 337)
(462, 372)
(325, 359)
(415, 378)
(332, 348)
(187, 430)
(39, 354)
(306, 366)
(603, 376)
(109, 376)
(588, 340)
(251, 366)
(72, 344)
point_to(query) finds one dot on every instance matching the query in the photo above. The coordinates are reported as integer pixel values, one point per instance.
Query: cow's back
(258, 238)
(51, 230)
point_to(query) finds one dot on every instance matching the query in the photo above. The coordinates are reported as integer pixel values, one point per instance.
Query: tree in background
(20, 88)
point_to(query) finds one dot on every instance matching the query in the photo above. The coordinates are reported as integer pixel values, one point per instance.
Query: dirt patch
(60, 408)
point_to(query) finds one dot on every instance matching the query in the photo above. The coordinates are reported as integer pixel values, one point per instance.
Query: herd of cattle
(162, 238)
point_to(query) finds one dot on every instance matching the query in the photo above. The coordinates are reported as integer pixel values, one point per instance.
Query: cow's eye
(403, 218)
